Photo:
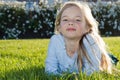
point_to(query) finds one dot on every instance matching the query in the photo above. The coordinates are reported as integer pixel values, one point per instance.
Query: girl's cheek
(62, 24)
(82, 28)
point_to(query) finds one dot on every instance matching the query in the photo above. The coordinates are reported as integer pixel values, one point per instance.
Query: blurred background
(27, 19)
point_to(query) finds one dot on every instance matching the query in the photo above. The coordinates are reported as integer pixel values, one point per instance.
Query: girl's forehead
(71, 10)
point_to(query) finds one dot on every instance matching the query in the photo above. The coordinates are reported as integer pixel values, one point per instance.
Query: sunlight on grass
(113, 44)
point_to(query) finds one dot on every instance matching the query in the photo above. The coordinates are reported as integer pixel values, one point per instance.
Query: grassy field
(24, 60)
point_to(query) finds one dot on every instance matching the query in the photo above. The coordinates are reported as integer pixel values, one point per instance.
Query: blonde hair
(105, 64)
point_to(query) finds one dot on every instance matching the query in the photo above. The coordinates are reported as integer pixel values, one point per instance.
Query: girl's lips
(71, 29)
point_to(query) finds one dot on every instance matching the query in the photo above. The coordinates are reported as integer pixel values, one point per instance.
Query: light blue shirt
(58, 61)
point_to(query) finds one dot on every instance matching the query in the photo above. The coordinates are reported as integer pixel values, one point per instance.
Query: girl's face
(72, 23)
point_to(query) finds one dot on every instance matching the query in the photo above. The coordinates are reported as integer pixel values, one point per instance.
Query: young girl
(77, 46)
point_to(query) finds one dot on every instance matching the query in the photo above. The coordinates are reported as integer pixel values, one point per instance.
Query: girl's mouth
(71, 29)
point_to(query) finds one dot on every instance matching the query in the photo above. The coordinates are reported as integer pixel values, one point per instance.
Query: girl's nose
(70, 23)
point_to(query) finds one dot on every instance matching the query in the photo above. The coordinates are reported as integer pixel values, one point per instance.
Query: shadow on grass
(38, 73)
(32, 73)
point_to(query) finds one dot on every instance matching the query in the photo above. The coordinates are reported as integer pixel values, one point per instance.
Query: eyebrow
(63, 16)
(67, 16)
(79, 16)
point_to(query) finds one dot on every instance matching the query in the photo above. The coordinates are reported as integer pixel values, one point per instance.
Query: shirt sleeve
(51, 64)
(94, 55)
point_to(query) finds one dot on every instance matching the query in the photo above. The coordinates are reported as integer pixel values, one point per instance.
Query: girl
(77, 46)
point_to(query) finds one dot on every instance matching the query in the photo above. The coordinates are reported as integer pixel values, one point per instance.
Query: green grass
(24, 60)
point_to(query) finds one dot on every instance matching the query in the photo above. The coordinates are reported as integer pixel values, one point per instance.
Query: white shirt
(58, 61)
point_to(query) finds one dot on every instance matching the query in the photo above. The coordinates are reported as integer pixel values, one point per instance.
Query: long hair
(92, 26)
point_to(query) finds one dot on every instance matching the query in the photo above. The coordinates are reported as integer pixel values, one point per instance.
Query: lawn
(24, 60)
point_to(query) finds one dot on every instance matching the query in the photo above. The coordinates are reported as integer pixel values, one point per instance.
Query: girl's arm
(93, 53)
(51, 66)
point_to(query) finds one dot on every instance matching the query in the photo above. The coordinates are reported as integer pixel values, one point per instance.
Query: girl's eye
(78, 20)
(65, 20)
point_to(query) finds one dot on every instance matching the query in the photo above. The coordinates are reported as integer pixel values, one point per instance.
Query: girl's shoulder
(57, 37)
(57, 40)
